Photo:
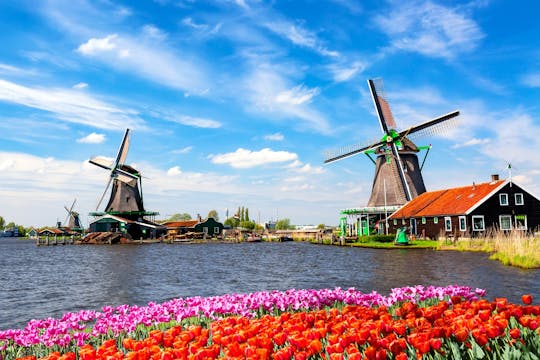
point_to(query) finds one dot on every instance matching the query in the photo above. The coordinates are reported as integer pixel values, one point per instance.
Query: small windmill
(126, 194)
(398, 176)
(72, 219)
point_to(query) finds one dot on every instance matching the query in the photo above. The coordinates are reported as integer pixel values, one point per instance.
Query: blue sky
(233, 102)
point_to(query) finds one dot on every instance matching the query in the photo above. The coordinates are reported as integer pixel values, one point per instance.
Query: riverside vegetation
(514, 248)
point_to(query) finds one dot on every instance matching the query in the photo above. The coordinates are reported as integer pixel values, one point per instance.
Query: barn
(469, 211)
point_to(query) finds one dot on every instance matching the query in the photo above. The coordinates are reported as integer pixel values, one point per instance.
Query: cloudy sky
(233, 102)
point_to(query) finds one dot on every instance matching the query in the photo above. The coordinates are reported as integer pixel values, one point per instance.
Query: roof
(455, 201)
(179, 224)
(144, 223)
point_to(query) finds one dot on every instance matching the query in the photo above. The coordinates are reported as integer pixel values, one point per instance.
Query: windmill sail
(398, 176)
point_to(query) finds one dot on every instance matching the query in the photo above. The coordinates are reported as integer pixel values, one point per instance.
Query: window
(216, 230)
(423, 220)
(435, 220)
(462, 223)
(521, 222)
(395, 221)
(518, 197)
(402, 221)
(503, 199)
(478, 223)
(505, 222)
(448, 224)
(413, 226)
(205, 229)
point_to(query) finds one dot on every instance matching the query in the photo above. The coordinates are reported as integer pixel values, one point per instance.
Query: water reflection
(49, 281)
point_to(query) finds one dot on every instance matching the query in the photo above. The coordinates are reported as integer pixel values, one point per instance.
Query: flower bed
(423, 322)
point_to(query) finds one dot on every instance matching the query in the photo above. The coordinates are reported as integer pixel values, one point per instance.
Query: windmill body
(398, 177)
(73, 220)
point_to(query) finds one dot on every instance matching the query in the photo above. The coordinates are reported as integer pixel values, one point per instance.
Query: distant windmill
(398, 176)
(72, 219)
(126, 193)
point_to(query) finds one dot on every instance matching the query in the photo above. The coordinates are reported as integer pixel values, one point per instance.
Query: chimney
(494, 177)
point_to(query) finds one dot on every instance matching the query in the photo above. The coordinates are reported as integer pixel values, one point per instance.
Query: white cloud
(196, 122)
(243, 158)
(185, 150)
(149, 60)
(92, 138)
(70, 106)
(345, 73)
(175, 170)
(274, 137)
(154, 33)
(298, 95)
(308, 169)
(81, 85)
(299, 36)
(472, 142)
(95, 46)
(430, 29)
(268, 91)
(531, 80)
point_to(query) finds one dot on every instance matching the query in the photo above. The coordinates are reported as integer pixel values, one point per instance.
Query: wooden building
(132, 229)
(469, 211)
(209, 227)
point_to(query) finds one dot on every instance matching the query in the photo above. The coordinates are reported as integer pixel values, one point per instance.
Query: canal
(47, 281)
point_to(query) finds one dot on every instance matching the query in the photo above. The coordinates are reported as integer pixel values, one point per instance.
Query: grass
(513, 248)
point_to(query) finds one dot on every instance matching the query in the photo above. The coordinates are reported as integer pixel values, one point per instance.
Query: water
(47, 281)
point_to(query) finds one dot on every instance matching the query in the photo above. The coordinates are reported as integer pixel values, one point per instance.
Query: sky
(234, 102)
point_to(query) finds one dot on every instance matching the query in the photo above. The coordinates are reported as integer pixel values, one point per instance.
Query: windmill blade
(344, 152)
(432, 127)
(129, 180)
(123, 151)
(101, 162)
(104, 192)
(72, 206)
(386, 119)
(67, 217)
(401, 172)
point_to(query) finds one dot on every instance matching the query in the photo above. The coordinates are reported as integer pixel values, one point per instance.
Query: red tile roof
(178, 224)
(456, 201)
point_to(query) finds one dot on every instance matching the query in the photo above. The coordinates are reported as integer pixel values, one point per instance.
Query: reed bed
(514, 248)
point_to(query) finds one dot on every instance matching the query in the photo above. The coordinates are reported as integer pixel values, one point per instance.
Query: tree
(246, 214)
(213, 214)
(2, 222)
(283, 224)
(321, 227)
(250, 225)
(232, 222)
(179, 217)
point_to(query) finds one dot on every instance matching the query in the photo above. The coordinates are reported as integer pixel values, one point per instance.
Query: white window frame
(395, 222)
(478, 217)
(423, 220)
(216, 229)
(448, 224)
(519, 195)
(524, 227)
(509, 217)
(501, 197)
(462, 221)
(435, 220)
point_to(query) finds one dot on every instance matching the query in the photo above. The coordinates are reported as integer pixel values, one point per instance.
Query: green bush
(376, 238)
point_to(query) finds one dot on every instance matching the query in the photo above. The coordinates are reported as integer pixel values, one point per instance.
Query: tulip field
(452, 322)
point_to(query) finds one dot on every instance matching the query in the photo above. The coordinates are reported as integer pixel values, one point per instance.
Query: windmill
(73, 217)
(398, 176)
(126, 195)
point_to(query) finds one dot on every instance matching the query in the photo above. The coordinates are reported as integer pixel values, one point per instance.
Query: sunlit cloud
(243, 158)
(70, 106)
(92, 138)
(430, 29)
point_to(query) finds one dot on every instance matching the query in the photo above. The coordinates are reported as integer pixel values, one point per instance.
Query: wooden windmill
(126, 194)
(398, 176)
(72, 219)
